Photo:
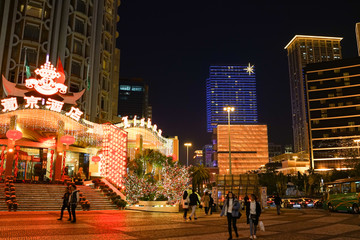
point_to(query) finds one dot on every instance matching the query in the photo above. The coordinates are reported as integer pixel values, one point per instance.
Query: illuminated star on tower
(249, 69)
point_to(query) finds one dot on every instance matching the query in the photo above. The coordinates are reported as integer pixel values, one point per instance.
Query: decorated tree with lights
(167, 182)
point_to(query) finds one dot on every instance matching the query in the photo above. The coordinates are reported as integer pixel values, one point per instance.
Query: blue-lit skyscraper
(235, 86)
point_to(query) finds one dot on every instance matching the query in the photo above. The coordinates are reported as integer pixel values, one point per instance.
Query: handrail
(113, 188)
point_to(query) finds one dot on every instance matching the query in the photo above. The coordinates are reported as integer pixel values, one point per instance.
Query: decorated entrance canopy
(42, 114)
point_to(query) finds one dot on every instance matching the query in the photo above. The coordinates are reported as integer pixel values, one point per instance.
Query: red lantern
(14, 135)
(96, 159)
(67, 139)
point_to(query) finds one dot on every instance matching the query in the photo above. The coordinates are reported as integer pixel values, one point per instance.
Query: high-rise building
(333, 107)
(302, 50)
(134, 98)
(357, 32)
(82, 33)
(235, 86)
(208, 155)
(249, 148)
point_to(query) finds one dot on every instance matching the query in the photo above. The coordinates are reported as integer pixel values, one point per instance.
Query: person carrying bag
(253, 212)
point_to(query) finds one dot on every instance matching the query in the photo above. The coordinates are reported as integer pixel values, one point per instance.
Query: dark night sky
(171, 44)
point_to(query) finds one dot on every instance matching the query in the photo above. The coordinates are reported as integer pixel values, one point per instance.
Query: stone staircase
(48, 197)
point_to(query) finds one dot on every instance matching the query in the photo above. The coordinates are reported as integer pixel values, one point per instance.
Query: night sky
(171, 44)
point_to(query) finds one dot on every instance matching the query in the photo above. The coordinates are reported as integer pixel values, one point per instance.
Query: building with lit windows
(334, 109)
(82, 33)
(249, 148)
(235, 86)
(302, 50)
(134, 98)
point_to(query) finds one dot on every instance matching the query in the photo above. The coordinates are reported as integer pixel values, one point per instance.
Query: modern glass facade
(231, 85)
(133, 98)
(334, 109)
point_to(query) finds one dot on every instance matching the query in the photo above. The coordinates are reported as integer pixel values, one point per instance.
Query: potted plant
(121, 204)
(15, 205)
(9, 204)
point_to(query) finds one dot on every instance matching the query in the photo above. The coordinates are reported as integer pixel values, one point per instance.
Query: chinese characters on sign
(74, 113)
(32, 102)
(126, 123)
(11, 104)
(54, 105)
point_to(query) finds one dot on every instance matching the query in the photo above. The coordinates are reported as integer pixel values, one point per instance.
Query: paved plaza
(126, 224)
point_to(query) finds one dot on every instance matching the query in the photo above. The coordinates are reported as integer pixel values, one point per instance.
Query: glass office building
(235, 86)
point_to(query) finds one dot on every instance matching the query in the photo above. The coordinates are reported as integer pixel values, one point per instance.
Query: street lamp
(229, 109)
(187, 145)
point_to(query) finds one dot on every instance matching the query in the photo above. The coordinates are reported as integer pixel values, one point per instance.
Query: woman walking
(231, 210)
(253, 211)
(185, 204)
(206, 201)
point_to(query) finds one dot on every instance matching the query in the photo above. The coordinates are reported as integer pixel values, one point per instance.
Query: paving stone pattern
(126, 224)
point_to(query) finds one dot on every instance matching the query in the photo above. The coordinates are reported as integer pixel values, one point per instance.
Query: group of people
(191, 201)
(70, 201)
(231, 209)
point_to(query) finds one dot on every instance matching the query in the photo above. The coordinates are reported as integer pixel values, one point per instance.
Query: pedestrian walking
(194, 201)
(253, 212)
(231, 209)
(211, 204)
(73, 201)
(278, 202)
(185, 204)
(206, 201)
(246, 199)
(65, 204)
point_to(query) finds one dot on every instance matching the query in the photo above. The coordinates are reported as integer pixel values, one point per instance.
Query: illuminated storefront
(142, 134)
(43, 135)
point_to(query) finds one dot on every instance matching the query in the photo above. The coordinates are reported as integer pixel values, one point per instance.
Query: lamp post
(228, 110)
(187, 145)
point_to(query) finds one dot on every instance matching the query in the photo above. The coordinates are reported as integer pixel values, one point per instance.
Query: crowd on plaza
(230, 209)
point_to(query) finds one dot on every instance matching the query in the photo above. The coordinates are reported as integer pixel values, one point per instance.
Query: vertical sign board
(263, 196)
(214, 195)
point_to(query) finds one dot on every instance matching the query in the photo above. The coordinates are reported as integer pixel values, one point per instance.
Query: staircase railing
(113, 188)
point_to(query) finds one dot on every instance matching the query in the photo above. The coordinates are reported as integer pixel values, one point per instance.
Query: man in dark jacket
(65, 204)
(194, 200)
(278, 202)
(74, 199)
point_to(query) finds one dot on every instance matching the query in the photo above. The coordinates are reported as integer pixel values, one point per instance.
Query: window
(346, 188)
(34, 9)
(74, 88)
(80, 6)
(357, 186)
(76, 68)
(77, 47)
(32, 32)
(79, 26)
(136, 88)
(125, 87)
(107, 44)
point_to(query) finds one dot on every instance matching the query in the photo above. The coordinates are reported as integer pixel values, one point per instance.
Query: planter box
(154, 206)
(152, 203)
